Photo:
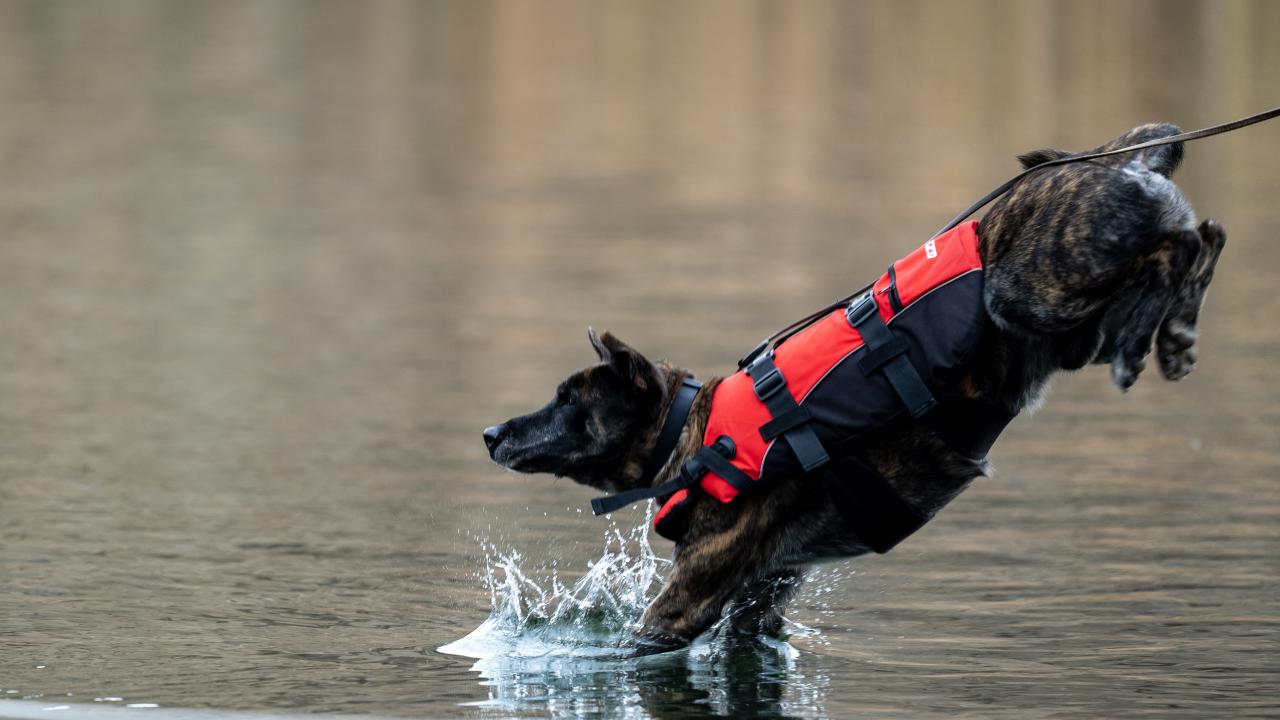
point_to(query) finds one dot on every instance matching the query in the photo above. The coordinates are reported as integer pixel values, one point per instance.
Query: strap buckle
(860, 310)
(769, 384)
(695, 467)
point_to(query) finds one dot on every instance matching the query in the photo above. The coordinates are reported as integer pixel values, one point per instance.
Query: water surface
(266, 270)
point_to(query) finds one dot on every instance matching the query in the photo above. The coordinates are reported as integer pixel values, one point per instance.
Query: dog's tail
(1163, 159)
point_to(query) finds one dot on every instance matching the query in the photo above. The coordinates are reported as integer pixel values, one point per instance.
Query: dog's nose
(492, 435)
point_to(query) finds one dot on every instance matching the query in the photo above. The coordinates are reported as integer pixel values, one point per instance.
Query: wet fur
(1088, 262)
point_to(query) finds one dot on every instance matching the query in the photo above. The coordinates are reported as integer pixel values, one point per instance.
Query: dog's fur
(1087, 262)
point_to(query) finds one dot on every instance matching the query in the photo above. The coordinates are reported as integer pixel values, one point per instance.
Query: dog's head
(596, 427)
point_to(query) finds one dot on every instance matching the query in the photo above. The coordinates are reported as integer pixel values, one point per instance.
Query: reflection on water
(266, 270)
(717, 676)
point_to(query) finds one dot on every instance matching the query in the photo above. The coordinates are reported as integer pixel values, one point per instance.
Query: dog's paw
(650, 643)
(1176, 349)
(1124, 373)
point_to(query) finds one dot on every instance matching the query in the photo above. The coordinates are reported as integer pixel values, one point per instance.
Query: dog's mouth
(536, 464)
(522, 460)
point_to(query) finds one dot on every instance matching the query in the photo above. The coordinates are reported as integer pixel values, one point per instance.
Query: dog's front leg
(758, 611)
(688, 605)
(1176, 341)
(711, 571)
(1159, 281)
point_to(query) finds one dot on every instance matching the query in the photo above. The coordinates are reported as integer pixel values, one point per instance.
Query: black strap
(671, 429)
(789, 419)
(797, 415)
(888, 353)
(895, 300)
(714, 458)
(609, 503)
(872, 508)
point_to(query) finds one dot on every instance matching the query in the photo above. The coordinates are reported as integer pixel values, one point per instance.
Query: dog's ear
(597, 344)
(624, 359)
(1040, 157)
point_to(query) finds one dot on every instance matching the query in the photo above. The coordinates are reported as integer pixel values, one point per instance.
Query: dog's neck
(695, 424)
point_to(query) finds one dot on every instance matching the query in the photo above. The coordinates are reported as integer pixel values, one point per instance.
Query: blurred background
(267, 269)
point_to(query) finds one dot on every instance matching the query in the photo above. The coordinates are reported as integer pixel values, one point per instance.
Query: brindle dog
(1088, 262)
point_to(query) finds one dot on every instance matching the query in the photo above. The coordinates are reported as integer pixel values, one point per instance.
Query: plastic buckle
(769, 384)
(860, 310)
(725, 446)
(692, 471)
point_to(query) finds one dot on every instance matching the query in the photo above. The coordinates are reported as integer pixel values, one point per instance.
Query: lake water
(267, 269)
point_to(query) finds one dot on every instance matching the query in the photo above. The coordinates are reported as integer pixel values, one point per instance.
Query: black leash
(780, 336)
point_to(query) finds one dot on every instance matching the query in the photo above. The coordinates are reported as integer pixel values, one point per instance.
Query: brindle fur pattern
(1088, 262)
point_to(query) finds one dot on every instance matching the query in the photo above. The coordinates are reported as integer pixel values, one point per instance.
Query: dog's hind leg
(1176, 340)
(1160, 279)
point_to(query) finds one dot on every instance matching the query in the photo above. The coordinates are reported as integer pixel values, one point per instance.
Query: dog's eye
(564, 397)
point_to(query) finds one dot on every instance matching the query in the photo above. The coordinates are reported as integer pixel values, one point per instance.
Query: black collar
(667, 439)
(671, 429)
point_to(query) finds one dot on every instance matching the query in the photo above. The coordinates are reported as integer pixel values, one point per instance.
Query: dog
(1085, 262)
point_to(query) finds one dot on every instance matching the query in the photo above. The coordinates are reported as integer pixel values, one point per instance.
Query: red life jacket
(891, 353)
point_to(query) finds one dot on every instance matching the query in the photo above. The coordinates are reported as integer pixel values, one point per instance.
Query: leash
(1182, 137)
(780, 336)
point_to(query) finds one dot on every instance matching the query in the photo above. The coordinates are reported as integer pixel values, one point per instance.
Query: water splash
(548, 648)
(543, 617)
